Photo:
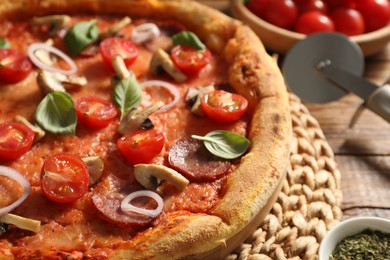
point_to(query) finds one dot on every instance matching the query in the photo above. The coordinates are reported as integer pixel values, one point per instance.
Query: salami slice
(190, 157)
(107, 199)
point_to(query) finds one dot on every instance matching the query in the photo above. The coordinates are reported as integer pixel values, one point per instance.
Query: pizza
(135, 130)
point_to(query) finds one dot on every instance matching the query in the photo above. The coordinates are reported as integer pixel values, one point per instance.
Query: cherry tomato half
(95, 112)
(376, 13)
(116, 46)
(141, 146)
(14, 66)
(348, 21)
(15, 140)
(223, 106)
(282, 13)
(65, 178)
(188, 59)
(314, 21)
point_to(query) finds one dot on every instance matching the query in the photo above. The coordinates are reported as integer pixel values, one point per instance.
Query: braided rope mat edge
(309, 203)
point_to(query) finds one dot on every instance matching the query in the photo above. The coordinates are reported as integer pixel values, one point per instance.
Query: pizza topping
(196, 95)
(56, 22)
(190, 157)
(22, 181)
(141, 146)
(166, 86)
(137, 119)
(224, 144)
(145, 32)
(52, 81)
(95, 112)
(114, 29)
(21, 222)
(50, 49)
(223, 106)
(44, 55)
(4, 44)
(14, 66)
(127, 95)
(115, 46)
(150, 175)
(120, 68)
(190, 60)
(39, 133)
(95, 167)
(81, 35)
(65, 178)
(161, 60)
(15, 140)
(126, 206)
(189, 39)
(56, 113)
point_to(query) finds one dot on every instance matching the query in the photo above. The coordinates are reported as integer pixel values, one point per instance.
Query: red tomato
(257, 6)
(14, 66)
(224, 107)
(376, 13)
(116, 46)
(141, 146)
(190, 60)
(348, 21)
(95, 112)
(332, 4)
(15, 140)
(314, 21)
(313, 5)
(282, 13)
(65, 178)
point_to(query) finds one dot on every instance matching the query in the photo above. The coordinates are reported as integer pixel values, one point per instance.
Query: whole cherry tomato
(14, 66)
(333, 4)
(313, 5)
(314, 21)
(257, 6)
(188, 59)
(348, 21)
(116, 46)
(15, 140)
(282, 13)
(376, 13)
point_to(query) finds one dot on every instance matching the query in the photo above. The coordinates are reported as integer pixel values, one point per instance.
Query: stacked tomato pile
(350, 17)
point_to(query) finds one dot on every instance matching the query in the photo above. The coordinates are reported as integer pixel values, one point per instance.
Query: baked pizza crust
(254, 185)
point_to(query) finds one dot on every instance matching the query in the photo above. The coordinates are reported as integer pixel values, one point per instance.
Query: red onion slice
(145, 32)
(126, 206)
(36, 46)
(17, 176)
(168, 86)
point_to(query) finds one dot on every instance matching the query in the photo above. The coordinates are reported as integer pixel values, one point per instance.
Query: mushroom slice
(44, 56)
(39, 133)
(161, 59)
(51, 81)
(120, 67)
(95, 167)
(56, 22)
(135, 118)
(114, 29)
(21, 222)
(149, 176)
(196, 108)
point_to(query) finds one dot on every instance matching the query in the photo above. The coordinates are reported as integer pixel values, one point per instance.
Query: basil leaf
(80, 36)
(188, 38)
(56, 113)
(4, 43)
(224, 144)
(127, 94)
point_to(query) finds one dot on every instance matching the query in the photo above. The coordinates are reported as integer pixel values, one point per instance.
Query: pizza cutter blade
(325, 66)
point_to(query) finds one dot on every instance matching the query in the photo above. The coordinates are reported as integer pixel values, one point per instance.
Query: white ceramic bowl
(281, 40)
(350, 227)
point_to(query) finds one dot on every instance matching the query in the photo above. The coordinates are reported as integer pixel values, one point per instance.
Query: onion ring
(145, 32)
(36, 46)
(17, 176)
(168, 86)
(126, 206)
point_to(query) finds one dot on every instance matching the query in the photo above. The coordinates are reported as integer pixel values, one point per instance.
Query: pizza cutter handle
(379, 102)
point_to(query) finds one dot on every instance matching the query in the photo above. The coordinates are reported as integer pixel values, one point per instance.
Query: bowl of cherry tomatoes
(281, 23)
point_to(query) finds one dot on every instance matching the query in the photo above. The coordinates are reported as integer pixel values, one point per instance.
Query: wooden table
(362, 150)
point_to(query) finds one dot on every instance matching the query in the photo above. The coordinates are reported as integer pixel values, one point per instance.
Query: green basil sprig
(224, 144)
(4, 43)
(56, 113)
(127, 94)
(80, 36)
(188, 38)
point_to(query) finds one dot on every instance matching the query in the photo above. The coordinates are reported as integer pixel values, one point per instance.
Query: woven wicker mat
(309, 203)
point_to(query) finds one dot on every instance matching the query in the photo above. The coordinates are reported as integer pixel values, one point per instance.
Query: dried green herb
(366, 245)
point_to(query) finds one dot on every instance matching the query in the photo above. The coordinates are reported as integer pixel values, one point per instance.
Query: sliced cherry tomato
(141, 146)
(348, 21)
(314, 21)
(282, 13)
(116, 46)
(190, 60)
(14, 66)
(376, 13)
(15, 140)
(95, 112)
(65, 178)
(223, 106)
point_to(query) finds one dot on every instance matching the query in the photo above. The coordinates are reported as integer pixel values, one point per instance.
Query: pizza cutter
(326, 66)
